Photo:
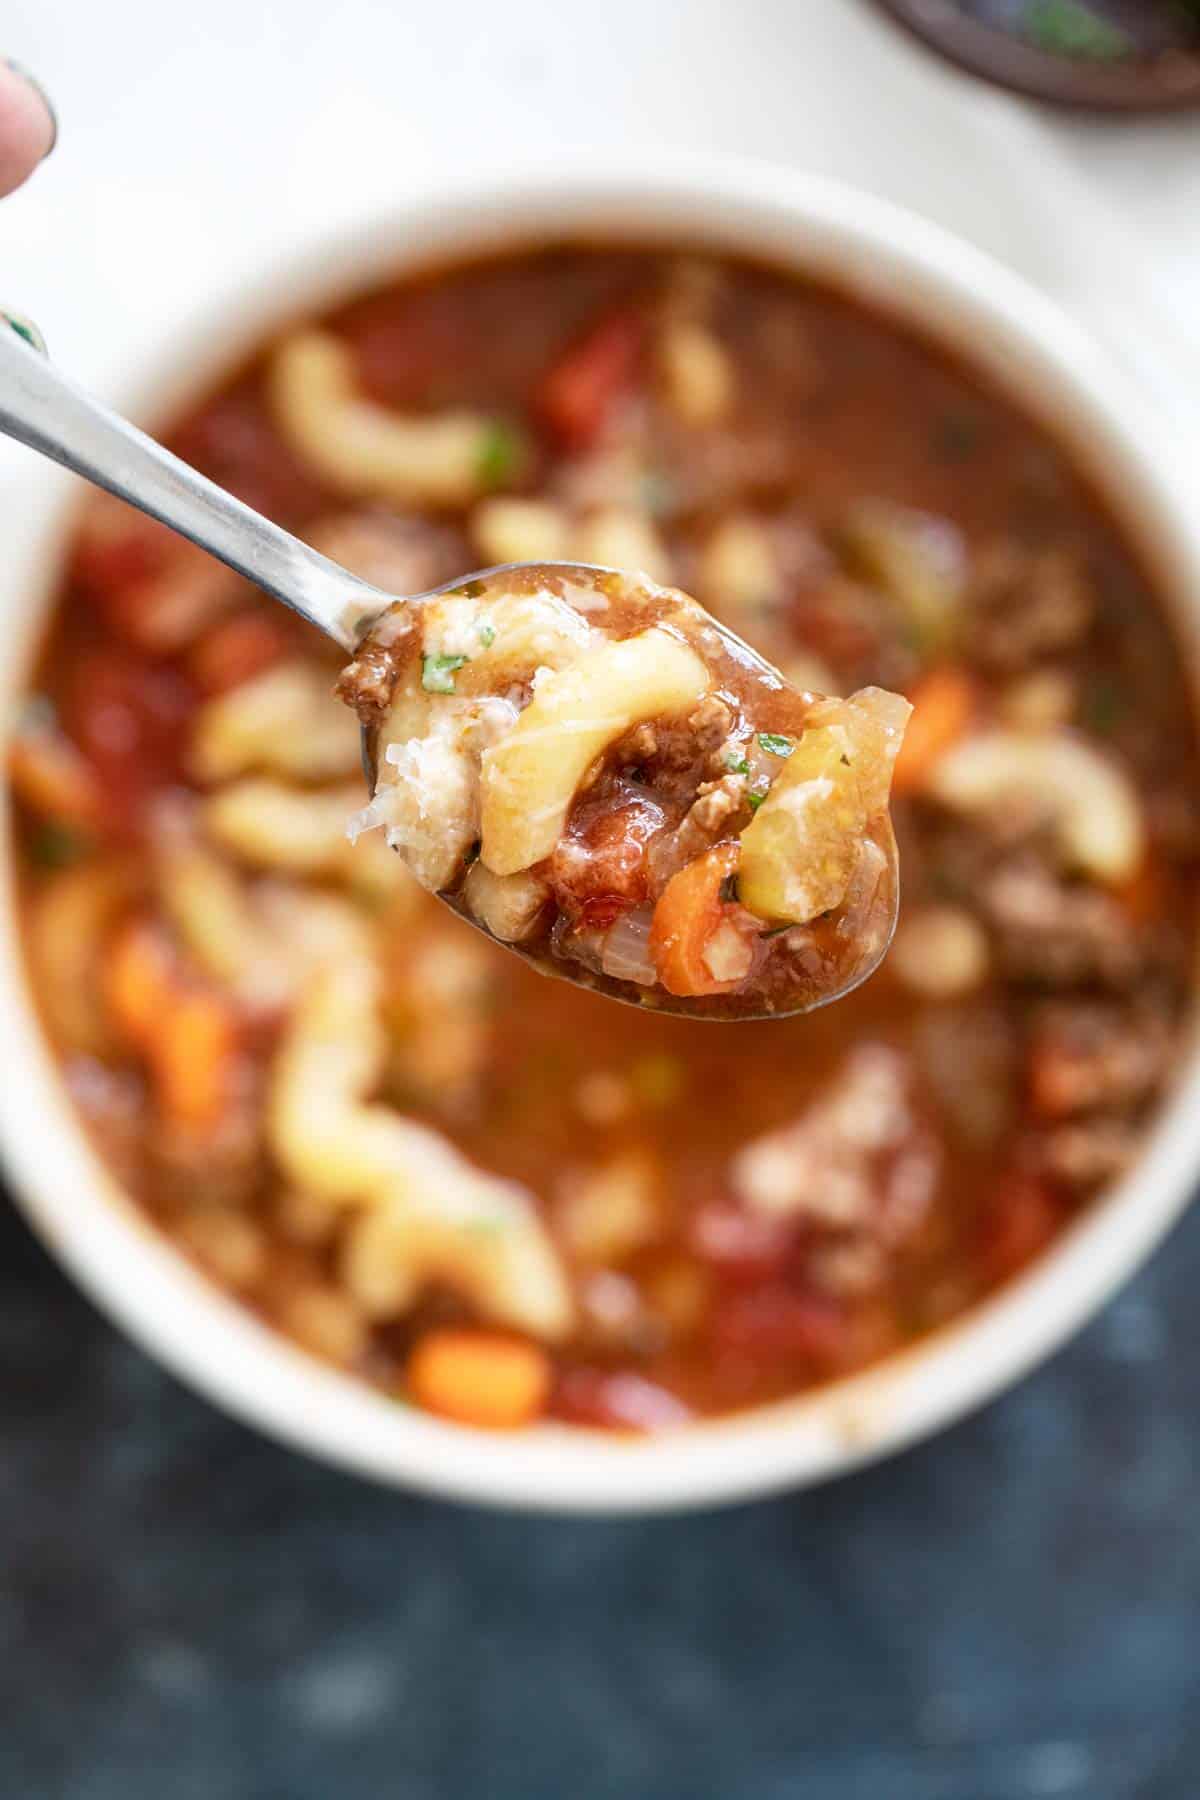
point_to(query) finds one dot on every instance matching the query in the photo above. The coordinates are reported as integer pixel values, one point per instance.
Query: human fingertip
(43, 123)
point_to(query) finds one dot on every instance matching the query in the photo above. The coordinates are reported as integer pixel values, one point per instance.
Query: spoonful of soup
(593, 770)
(584, 765)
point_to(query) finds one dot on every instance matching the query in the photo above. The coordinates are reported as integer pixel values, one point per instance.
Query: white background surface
(197, 141)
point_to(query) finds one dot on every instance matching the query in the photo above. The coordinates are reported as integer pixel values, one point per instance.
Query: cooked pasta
(283, 722)
(499, 1198)
(441, 459)
(421, 1212)
(588, 768)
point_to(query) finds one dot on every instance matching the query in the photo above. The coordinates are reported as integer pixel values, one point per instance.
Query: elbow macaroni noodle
(423, 1212)
(530, 777)
(363, 448)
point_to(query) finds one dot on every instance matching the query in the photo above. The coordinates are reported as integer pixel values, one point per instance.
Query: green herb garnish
(487, 635)
(58, 846)
(501, 453)
(1069, 28)
(754, 801)
(775, 745)
(438, 672)
(737, 765)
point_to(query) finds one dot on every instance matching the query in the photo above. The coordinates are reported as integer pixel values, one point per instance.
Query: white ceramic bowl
(959, 297)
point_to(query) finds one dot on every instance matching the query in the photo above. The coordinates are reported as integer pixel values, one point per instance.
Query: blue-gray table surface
(1009, 1612)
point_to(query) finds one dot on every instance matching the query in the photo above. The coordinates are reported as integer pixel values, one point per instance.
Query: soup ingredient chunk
(586, 765)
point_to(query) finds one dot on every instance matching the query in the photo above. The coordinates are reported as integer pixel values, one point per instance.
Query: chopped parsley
(438, 672)
(754, 801)
(775, 745)
(58, 846)
(487, 634)
(737, 765)
(501, 453)
(1069, 28)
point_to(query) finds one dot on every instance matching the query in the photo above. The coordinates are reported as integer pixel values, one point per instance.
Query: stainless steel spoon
(46, 410)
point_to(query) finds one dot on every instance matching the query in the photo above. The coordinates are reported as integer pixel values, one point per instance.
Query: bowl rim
(956, 295)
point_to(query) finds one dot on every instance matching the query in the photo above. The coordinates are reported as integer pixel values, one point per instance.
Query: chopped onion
(625, 953)
(728, 956)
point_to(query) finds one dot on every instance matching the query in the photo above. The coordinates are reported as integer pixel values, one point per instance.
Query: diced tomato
(410, 349)
(1069, 1072)
(600, 872)
(778, 1320)
(835, 623)
(130, 719)
(616, 1400)
(577, 393)
(1021, 1219)
(741, 1245)
(687, 915)
(119, 548)
(233, 439)
(237, 650)
(152, 589)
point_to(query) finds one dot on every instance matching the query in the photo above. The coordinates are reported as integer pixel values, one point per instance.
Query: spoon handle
(45, 409)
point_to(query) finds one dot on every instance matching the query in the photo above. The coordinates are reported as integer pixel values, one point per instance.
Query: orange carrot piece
(479, 1378)
(192, 1052)
(689, 910)
(944, 703)
(53, 778)
(137, 981)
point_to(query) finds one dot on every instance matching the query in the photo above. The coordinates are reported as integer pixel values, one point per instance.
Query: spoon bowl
(772, 959)
(826, 956)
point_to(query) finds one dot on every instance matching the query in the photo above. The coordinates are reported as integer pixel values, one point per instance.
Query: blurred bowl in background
(955, 295)
(1114, 56)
